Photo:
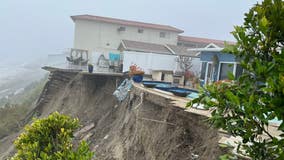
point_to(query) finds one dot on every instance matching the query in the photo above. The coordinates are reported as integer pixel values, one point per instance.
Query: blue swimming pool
(152, 84)
(166, 86)
(193, 95)
(182, 92)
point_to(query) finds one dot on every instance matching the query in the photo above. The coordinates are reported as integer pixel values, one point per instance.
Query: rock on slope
(143, 126)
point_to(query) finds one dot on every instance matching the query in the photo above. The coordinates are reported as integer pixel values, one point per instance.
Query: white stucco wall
(154, 61)
(102, 37)
(157, 75)
(196, 65)
(148, 61)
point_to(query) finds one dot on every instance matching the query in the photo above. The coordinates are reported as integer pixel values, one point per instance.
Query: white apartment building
(103, 34)
(137, 41)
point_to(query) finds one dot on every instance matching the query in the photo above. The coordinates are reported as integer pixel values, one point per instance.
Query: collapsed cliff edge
(146, 125)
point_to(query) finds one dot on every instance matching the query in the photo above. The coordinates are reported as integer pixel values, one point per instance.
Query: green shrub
(49, 139)
(245, 105)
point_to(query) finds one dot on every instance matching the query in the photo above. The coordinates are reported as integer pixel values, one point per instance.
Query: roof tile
(181, 50)
(204, 41)
(126, 22)
(145, 47)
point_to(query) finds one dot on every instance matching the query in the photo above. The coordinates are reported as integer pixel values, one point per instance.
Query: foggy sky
(34, 28)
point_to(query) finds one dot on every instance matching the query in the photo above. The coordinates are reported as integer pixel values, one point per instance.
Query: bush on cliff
(51, 138)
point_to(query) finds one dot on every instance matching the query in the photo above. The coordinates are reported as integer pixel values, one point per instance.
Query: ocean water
(16, 74)
(9, 72)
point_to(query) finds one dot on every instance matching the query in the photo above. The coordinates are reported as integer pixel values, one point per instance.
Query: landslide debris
(144, 126)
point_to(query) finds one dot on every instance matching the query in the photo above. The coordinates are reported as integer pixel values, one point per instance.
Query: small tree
(51, 138)
(185, 62)
(244, 106)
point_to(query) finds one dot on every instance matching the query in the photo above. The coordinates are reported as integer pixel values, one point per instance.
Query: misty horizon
(32, 29)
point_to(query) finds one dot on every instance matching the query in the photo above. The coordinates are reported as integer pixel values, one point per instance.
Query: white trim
(206, 71)
(235, 68)
(212, 44)
(173, 52)
(205, 78)
(197, 54)
(123, 44)
(205, 49)
(199, 50)
(205, 67)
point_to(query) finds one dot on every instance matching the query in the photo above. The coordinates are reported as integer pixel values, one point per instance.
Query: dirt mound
(143, 126)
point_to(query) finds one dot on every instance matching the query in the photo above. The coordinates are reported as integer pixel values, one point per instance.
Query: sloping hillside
(143, 126)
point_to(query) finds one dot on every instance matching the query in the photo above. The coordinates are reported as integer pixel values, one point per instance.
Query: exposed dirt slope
(144, 126)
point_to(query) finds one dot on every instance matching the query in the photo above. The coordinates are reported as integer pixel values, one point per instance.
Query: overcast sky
(35, 27)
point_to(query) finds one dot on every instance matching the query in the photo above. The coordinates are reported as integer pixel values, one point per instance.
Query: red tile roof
(126, 22)
(202, 40)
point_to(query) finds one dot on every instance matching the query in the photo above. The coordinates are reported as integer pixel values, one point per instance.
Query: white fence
(154, 61)
(148, 61)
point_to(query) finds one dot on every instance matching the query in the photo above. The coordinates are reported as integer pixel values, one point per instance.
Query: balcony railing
(78, 57)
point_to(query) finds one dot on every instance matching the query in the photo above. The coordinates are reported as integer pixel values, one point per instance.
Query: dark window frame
(162, 34)
(121, 28)
(140, 30)
(224, 76)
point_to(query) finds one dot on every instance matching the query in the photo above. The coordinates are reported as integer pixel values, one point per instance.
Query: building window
(239, 71)
(209, 77)
(140, 30)
(203, 70)
(225, 68)
(163, 77)
(121, 29)
(162, 34)
(176, 81)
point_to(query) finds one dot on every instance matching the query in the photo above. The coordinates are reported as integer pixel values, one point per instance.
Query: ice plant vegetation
(245, 105)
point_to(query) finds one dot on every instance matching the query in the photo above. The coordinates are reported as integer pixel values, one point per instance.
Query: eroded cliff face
(143, 126)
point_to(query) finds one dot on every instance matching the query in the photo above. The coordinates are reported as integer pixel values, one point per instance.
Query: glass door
(209, 73)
